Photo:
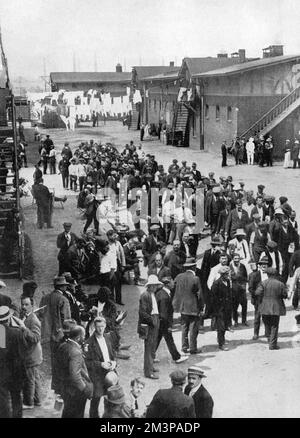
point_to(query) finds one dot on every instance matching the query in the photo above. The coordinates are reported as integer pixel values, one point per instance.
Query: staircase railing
(274, 112)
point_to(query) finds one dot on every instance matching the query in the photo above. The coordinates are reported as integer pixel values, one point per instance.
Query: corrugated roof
(62, 77)
(252, 65)
(200, 65)
(146, 71)
(173, 75)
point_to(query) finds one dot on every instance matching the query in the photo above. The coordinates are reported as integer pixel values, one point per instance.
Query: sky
(47, 35)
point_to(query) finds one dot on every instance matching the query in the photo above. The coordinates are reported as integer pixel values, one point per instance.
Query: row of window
(217, 112)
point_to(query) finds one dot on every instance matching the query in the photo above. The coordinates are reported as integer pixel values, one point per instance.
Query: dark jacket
(203, 401)
(294, 262)
(165, 307)
(188, 298)
(163, 272)
(11, 358)
(73, 374)
(145, 309)
(210, 259)
(171, 403)
(234, 222)
(62, 244)
(272, 291)
(94, 357)
(222, 221)
(41, 194)
(175, 262)
(254, 281)
(221, 296)
(150, 246)
(59, 310)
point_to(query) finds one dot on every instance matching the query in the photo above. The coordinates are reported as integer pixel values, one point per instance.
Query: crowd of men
(137, 211)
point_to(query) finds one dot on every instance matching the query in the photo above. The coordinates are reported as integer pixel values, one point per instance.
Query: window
(206, 111)
(217, 112)
(229, 114)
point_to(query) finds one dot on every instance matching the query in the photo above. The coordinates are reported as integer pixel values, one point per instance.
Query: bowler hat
(263, 261)
(190, 262)
(115, 395)
(60, 281)
(29, 288)
(178, 377)
(196, 370)
(216, 240)
(260, 186)
(271, 244)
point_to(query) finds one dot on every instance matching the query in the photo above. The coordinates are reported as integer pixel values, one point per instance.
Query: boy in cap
(172, 403)
(204, 403)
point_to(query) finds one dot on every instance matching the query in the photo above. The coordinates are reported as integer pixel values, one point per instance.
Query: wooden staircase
(275, 115)
(9, 199)
(180, 124)
(134, 121)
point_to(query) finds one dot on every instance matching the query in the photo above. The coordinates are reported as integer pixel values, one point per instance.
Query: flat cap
(178, 377)
(271, 244)
(261, 186)
(271, 271)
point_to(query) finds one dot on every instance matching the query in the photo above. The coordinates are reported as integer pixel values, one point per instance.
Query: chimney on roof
(271, 51)
(172, 64)
(242, 55)
(222, 55)
(118, 68)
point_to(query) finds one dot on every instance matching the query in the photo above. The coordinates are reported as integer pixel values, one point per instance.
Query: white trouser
(250, 157)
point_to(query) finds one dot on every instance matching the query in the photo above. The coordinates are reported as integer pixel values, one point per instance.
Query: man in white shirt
(81, 173)
(73, 172)
(100, 360)
(250, 147)
(214, 273)
(241, 246)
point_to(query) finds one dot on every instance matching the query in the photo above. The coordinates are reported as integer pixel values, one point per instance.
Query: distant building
(115, 83)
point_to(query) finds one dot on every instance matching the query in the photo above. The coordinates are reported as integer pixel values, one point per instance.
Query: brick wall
(216, 130)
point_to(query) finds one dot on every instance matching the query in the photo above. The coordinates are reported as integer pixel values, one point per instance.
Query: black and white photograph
(149, 206)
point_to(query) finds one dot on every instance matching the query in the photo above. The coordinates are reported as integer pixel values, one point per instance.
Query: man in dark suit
(58, 308)
(223, 218)
(203, 401)
(222, 305)
(100, 360)
(12, 344)
(189, 244)
(255, 278)
(148, 324)
(33, 356)
(272, 306)
(75, 259)
(259, 208)
(151, 244)
(237, 218)
(42, 196)
(165, 308)
(172, 403)
(239, 277)
(157, 267)
(63, 242)
(214, 205)
(175, 259)
(188, 301)
(210, 259)
(196, 174)
(76, 385)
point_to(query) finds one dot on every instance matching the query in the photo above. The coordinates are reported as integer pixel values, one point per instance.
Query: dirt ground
(247, 381)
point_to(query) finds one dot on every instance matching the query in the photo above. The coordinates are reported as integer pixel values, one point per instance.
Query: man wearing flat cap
(273, 292)
(172, 402)
(222, 305)
(274, 256)
(204, 403)
(255, 278)
(63, 242)
(213, 206)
